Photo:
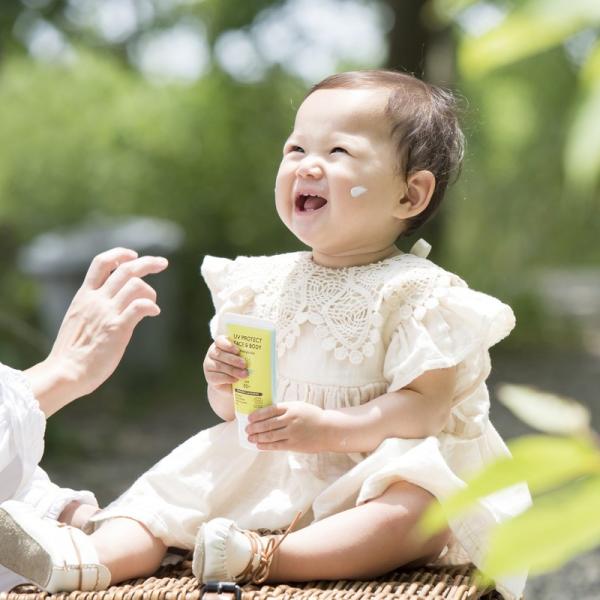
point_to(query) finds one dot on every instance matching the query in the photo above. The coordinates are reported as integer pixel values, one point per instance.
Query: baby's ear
(419, 189)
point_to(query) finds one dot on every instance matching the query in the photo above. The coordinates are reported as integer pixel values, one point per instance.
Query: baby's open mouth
(308, 202)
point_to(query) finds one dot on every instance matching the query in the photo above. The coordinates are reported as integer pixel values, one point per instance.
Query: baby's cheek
(282, 206)
(358, 190)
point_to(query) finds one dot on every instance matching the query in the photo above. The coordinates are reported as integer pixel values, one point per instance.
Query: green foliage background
(95, 137)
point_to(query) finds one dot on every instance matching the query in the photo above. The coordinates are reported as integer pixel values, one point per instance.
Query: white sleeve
(22, 427)
(48, 498)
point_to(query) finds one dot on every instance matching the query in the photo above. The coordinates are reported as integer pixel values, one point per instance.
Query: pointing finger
(139, 267)
(104, 264)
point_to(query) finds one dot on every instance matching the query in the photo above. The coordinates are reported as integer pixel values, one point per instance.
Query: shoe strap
(265, 554)
(92, 575)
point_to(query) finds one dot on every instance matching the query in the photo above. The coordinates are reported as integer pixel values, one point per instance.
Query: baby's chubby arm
(418, 410)
(223, 366)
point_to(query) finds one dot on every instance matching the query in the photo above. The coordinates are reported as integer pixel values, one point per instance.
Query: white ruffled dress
(344, 337)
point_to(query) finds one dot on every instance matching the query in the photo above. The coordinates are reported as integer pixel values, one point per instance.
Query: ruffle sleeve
(248, 284)
(216, 273)
(451, 325)
(228, 287)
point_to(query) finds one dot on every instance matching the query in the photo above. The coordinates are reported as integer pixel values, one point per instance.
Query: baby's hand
(288, 426)
(223, 365)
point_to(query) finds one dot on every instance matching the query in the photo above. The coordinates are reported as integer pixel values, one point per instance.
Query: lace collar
(347, 306)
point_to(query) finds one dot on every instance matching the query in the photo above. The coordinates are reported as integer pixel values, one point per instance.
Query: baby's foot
(224, 552)
(51, 555)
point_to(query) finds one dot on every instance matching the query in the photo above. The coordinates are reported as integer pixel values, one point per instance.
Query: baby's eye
(293, 148)
(339, 149)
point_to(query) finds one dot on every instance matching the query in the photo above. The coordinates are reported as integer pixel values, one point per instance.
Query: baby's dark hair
(424, 126)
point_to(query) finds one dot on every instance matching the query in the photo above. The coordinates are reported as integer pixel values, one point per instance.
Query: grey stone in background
(572, 294)
(58, 261)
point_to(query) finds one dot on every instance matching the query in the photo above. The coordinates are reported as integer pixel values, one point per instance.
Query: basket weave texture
(178, 583)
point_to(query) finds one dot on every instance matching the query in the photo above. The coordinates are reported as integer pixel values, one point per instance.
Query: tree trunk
(427, 54)
(409, 38)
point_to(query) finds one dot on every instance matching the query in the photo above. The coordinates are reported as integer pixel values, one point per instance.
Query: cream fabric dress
(344, 337)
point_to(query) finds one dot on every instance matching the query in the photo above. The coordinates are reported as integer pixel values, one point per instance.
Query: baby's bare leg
(362, 542)
(127, 549)
(77, 514)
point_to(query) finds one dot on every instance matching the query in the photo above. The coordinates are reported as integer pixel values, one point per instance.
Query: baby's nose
(310, 169)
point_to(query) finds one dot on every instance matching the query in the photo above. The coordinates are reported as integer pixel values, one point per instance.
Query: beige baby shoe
(53, 556)
(224, 552)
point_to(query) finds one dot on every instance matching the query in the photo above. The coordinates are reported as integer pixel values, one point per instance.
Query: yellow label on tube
(257, 347)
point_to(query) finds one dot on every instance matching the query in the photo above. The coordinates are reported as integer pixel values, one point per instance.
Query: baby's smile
(309, 196)
(309, 202)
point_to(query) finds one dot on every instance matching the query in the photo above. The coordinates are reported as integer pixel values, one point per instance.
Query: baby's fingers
(217, 378)
(266, 425)
(218, 361)
(222, 342)
(224, 351)
(223, 373)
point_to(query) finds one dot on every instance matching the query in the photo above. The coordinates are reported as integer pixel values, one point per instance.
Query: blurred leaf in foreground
(563, 475)
(547, 412)
(543, 462)
(559, 526)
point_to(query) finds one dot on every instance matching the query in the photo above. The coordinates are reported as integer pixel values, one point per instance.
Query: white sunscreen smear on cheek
(357, 191)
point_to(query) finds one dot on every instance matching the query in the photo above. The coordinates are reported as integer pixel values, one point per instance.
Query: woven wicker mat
(177, 583)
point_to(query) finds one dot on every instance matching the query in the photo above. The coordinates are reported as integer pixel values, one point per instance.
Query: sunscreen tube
(255, 339)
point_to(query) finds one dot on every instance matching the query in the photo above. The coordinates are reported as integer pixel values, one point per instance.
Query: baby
(381, 404)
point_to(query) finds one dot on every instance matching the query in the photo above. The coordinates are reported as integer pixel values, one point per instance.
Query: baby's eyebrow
(349, 136)
(355, 140)
(334, 138)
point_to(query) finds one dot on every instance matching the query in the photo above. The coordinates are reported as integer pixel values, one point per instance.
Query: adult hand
(97, 327)
(295, 426)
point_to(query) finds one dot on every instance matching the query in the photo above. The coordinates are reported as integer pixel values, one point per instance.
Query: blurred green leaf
(590, 71)
(557, 527)
(448, 10)
(536, 26)
(547, 412)
(543, 462)
(582, 152)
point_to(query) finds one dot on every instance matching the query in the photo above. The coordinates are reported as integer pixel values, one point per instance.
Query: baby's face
(337, 186)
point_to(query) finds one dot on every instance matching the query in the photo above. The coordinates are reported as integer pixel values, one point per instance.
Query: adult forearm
(53, 384)
(221, 402)
(404, 414)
